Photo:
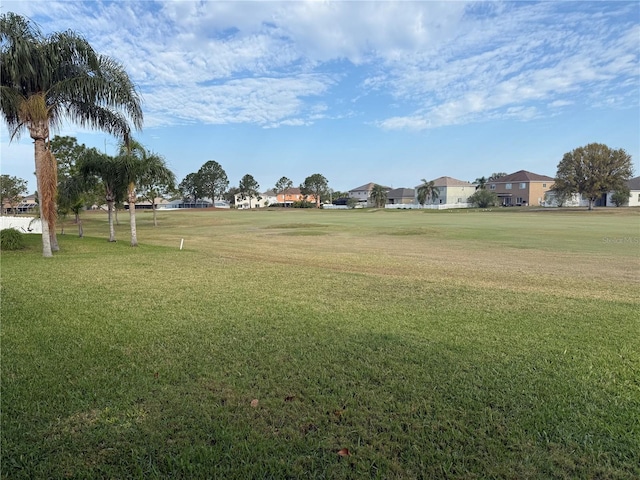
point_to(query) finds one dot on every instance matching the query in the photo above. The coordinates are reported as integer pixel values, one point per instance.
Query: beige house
(521, 188)
(451, 191)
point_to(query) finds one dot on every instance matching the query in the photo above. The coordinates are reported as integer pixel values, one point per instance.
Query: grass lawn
(326, 344)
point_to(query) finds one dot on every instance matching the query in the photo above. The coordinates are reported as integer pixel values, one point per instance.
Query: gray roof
(367, 187)
(634, 183)
(450, 182)
(401, 193)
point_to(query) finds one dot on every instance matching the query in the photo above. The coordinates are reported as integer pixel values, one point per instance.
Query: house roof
(634, 183)
(367, 187)
(449, 182)
(522, 176)
(401, 193)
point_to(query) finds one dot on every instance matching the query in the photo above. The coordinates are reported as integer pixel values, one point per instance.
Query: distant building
(363, 194)
(451, 191)
(521, 188)
(401, 196)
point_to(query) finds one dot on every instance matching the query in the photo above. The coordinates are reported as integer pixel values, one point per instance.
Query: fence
(22, 224)
(443, 206)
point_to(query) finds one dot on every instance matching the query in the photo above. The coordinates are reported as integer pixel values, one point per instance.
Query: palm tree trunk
(41, 157)
(132, 222)
(132, 215)
(54, 238)
(112, 230)
(153, 207)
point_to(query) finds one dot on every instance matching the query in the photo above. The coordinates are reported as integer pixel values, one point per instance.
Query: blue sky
(385, 92)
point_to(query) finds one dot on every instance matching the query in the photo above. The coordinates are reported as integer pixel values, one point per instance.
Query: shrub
(621, 197)
(483, 198)
(303, 204)
(11, 239)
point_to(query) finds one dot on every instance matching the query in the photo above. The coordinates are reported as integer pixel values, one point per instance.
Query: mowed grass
(469, 344)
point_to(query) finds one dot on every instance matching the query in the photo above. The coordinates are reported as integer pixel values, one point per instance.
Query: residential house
(401, 196)
(634, 194)
(451, 192)
(27, 204)
(292, 195)
(363, 194)
(521, 188)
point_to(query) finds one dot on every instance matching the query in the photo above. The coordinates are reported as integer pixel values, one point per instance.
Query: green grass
(472, 344)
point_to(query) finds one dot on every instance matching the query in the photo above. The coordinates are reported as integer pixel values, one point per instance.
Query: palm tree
(156, 180)
(379, 195)
(46, 79)
(110, 171)
(138, 164)
(481, 183)
(427, 190)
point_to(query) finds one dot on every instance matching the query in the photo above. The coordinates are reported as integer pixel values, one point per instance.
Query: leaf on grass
(344, 452)
(254, 402)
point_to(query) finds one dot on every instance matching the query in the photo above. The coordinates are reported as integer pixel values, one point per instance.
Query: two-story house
(521, 188)
(451, 191)
(363, 194)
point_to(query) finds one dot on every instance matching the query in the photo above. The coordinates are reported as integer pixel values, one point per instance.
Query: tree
(212, 180)
(11, 190)
(230, 196)
(46, 79)
(75, 190)
(427, 190)
(138, 164)
(484, 198)
(481, 182)
(281, 187)
(593, 170)
(495, 176)
(248, 188)
(190, 187)
(315, 185)
(379, 195)
(110, 171)
(156, 180)
(621, 197)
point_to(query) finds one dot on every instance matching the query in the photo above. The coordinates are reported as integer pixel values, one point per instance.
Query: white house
(262, 200)
(634, 193)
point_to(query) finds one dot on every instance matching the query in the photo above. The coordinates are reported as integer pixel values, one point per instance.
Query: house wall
(293, 197)
(450, 195)
(634, 199)
(361, 195)
(530, 192)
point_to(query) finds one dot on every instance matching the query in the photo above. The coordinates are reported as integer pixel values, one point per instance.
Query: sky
(361, 91)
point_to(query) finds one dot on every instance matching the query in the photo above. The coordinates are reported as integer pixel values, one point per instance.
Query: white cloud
(437, 63)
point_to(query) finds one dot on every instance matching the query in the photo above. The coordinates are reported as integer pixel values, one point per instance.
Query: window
(523, 186)
(492, 187)
(508, 186)
(544, 185)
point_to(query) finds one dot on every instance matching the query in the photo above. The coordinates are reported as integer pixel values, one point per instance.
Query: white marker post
(181, 243)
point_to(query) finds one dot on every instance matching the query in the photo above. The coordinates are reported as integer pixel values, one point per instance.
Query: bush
(484, 198)
(303, 204)
(11, 239)
(621, 197)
